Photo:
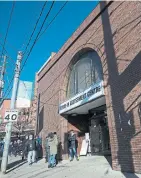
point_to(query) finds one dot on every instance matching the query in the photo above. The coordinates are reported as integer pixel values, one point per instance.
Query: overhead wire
(37, 36)
(34, 29)
(9, 90)
(4, 49)
(10, 83)
(53, 19)
(9, 23)
(7, 42)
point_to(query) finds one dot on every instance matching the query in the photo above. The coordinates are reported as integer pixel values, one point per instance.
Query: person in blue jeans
(52, 160)
(72, 146)
(53, 144)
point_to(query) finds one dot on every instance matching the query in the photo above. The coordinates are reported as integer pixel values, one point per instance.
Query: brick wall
(115, 35)
(5, 105)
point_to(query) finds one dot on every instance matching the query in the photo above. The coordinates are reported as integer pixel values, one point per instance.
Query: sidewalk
(12, 161)
(87, 167)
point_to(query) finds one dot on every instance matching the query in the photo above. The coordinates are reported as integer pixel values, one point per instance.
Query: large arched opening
(85, 105)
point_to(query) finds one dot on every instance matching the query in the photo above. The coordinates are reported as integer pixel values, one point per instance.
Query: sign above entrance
(95, 91)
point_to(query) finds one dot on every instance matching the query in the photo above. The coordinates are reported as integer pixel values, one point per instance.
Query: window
(85, 72)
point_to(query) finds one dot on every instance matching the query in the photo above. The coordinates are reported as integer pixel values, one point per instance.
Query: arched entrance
(85, 107)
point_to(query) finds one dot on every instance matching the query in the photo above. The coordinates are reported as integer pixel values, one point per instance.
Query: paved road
(87, 167)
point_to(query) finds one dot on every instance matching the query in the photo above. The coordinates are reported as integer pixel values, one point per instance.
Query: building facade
(93, 85)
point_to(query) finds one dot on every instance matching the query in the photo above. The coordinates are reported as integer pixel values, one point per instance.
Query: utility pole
(2, 77)
(12, 106)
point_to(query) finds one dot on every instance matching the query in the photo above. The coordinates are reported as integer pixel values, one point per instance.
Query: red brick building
(5, 106)
(105, 51)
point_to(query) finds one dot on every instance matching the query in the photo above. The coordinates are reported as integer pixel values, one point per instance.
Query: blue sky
(23, 20)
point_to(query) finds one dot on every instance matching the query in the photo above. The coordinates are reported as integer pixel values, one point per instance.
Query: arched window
(85, 72)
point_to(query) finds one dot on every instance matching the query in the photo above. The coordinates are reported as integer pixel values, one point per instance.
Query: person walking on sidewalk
(53, 144)
(72, 146)
(31, 148)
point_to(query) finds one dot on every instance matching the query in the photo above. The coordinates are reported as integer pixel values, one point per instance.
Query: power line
(37, 38)
(4, 49)
(50, 23)
(35, 26)
(9, 44)
(37, 35)
(53, 19)
(41, 33)
(9, 90)
(10, 83)
(8, 56)
(8, 27)
(9, 23)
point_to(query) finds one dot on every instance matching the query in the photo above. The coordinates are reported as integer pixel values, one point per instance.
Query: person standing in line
(47, 148)
(56, 139)
(25, 142)
(72, 146)
(10, 149)
(31, 148)
(53, 144)
(1, 147)
(15, 148)
(38, 147)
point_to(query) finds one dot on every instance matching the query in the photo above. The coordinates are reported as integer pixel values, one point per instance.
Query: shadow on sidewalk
(109, 160)
(12, 166)
(15, 165)
(127, 175)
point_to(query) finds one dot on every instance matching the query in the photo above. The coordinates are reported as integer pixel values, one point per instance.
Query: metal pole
(12, 106)
(2, 76)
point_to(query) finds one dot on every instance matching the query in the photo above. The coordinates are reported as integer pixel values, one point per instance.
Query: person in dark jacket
(56, 157)
(72, 145)
(25, 142)
(31, 148)
(38, 147)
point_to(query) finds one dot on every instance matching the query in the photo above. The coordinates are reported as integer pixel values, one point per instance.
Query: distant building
(5, 105)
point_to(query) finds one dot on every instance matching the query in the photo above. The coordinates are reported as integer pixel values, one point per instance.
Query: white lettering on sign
(89, 94)
(11, 116)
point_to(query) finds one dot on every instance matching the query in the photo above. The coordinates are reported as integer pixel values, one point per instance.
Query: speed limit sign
(11, 116)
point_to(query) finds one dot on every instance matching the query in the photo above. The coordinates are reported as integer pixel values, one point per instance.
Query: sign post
(9, 116)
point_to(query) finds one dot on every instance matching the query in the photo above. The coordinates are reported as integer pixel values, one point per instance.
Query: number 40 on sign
(11, 116)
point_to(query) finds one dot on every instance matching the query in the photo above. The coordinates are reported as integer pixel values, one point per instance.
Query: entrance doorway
(99, 132)
(95, 123)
